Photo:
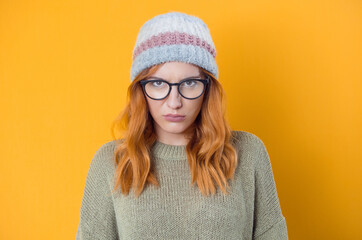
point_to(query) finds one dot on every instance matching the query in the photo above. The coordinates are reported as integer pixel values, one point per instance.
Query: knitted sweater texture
(177, 209)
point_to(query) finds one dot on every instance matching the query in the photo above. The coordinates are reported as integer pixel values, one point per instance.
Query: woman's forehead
(173, 79)
(177, 70)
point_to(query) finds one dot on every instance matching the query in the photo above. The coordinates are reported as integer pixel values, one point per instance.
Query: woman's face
(171, 130)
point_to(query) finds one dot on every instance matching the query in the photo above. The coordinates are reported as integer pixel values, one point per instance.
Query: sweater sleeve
(97, 215)
(269, 222)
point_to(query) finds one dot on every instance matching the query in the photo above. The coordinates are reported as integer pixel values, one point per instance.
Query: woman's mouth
(174, 117)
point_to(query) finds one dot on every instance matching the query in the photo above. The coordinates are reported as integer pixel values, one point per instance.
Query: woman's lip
(174, 115)
(174, 118)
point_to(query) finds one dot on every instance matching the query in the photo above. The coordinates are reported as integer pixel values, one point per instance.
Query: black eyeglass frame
(204, 81)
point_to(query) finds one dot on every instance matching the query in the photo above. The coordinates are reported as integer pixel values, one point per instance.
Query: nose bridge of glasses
(176, 86)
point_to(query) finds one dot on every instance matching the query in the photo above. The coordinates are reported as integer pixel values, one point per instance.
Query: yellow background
(291, 71)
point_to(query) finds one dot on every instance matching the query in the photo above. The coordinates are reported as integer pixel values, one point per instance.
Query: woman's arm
(97, 216)
(269, 222)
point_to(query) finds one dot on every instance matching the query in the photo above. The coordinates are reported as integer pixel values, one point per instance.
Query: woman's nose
(174, 98)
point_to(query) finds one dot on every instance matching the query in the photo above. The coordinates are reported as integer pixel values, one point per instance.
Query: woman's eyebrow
(180, 80)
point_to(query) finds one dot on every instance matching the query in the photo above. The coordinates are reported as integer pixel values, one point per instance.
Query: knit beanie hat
(174, 36)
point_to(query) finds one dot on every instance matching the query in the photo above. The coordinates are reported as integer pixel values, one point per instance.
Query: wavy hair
(211, 156)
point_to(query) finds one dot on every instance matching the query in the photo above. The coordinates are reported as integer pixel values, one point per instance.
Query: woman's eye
(157, 83)
(190, 83)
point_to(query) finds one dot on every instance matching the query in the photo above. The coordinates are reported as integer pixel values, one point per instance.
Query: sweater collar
(166, 151)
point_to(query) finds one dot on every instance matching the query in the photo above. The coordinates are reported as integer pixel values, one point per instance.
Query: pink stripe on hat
(169, 38)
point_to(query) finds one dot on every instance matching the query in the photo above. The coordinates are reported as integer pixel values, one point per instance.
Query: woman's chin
(175, 129)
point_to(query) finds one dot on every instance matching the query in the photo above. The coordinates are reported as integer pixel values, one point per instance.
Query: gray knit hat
(174, 36)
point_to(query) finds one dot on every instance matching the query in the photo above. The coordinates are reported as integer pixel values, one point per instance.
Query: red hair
(211, 156)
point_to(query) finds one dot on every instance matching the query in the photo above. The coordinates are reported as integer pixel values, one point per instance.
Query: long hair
(211, 156)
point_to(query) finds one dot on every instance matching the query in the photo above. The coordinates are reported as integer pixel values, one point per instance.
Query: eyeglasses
(191, 88)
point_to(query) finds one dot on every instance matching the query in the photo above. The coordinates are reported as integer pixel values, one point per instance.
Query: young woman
(179, 171)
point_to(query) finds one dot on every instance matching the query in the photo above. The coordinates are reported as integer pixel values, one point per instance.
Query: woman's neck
(172, 139)
(169, 138)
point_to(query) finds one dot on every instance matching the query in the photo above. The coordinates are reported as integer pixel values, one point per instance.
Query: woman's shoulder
(248, 144)
(245, 138)
(103, 156)
(106, 148)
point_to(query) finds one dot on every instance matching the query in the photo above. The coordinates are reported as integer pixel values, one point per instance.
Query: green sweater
(177, 210)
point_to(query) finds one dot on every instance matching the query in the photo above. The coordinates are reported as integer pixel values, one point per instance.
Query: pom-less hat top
(174, 36)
